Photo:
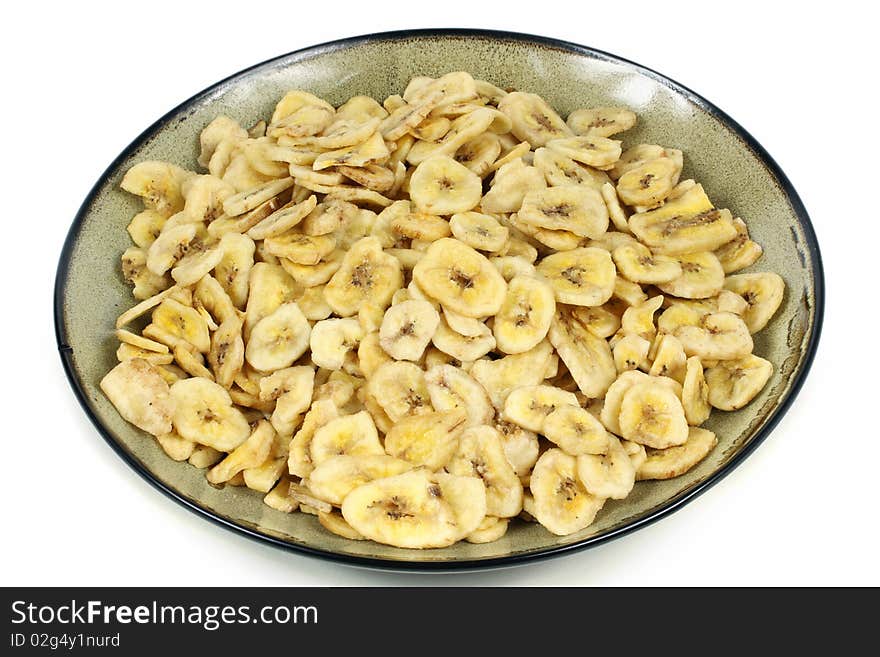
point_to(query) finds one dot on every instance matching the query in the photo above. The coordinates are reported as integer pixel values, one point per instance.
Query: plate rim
(378, 563)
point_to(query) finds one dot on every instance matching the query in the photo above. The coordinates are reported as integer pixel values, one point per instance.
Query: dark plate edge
(671, 505)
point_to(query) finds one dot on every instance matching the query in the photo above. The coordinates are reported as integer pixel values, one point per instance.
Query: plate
(735, 169)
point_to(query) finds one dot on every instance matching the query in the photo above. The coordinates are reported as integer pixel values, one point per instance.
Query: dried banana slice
(716, 336)
(557, 240)
(499, 377)
(233, 270)
(374, 177)
(278, 339)
(636, 156)
(610, 412)
(490, 530)
(370, 151)
(190, 362)
(668, 358)
(177, 448)
(598, 320)
(450, 388)
(463, 129)
(312, 275)
(429, 439)
(466, 326)
(762, 291)
(430, 130)
(479, 153)
(684, 225)
(300, 249)
(560, 170)
(313, 304)
(575, 430)
(734, 383)
(592, 150)
(328, 216)
(602, 121)
(334, 523)
(730, 302)
(226, 356)
(740, 252)
(630, 352)
(332, 339)
(182, 323)
(197, 263)
(299, 460)
(675, 461)
(371, 355)
(615, 211)
(252, 453)
(460, 278)
(348, 130)
(561, 503)
(638, 319)
(511, 266)
(158, 184)
(142, 343)
(442, 186)
(638, 264)
(300, 114)
(352, 435)
(525, 315)
(145, 227)
(140, 394)
(308, 503)
(172, 244)
(609, 475)
(701, 277)
(407, 328)
(648, 184)
(695, 393)
(480, 454)
(283, 219)
(221, 129)
(509, 186)
(420, 226)
(461, 347)
(479, 231)
(406, 116)
(145, 284)
(269, 287)
(529, 406)
(204, 414)
(399, 388)
(279, 498)
(249, 199)
(680, 314)
(581, 277)
(577, 209)
(652, 415)
(532, 119)
(337, 476)
(520, 447)
(588, 358)
(203, 198)
(365, 275)
(291, 389)
(416, 509)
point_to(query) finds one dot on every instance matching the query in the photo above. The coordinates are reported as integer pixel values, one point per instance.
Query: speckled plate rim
(672, 504)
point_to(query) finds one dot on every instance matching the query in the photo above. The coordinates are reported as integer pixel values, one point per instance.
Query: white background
(80, 83)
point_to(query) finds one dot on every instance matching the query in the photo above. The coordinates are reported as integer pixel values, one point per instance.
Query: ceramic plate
(736, 171)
